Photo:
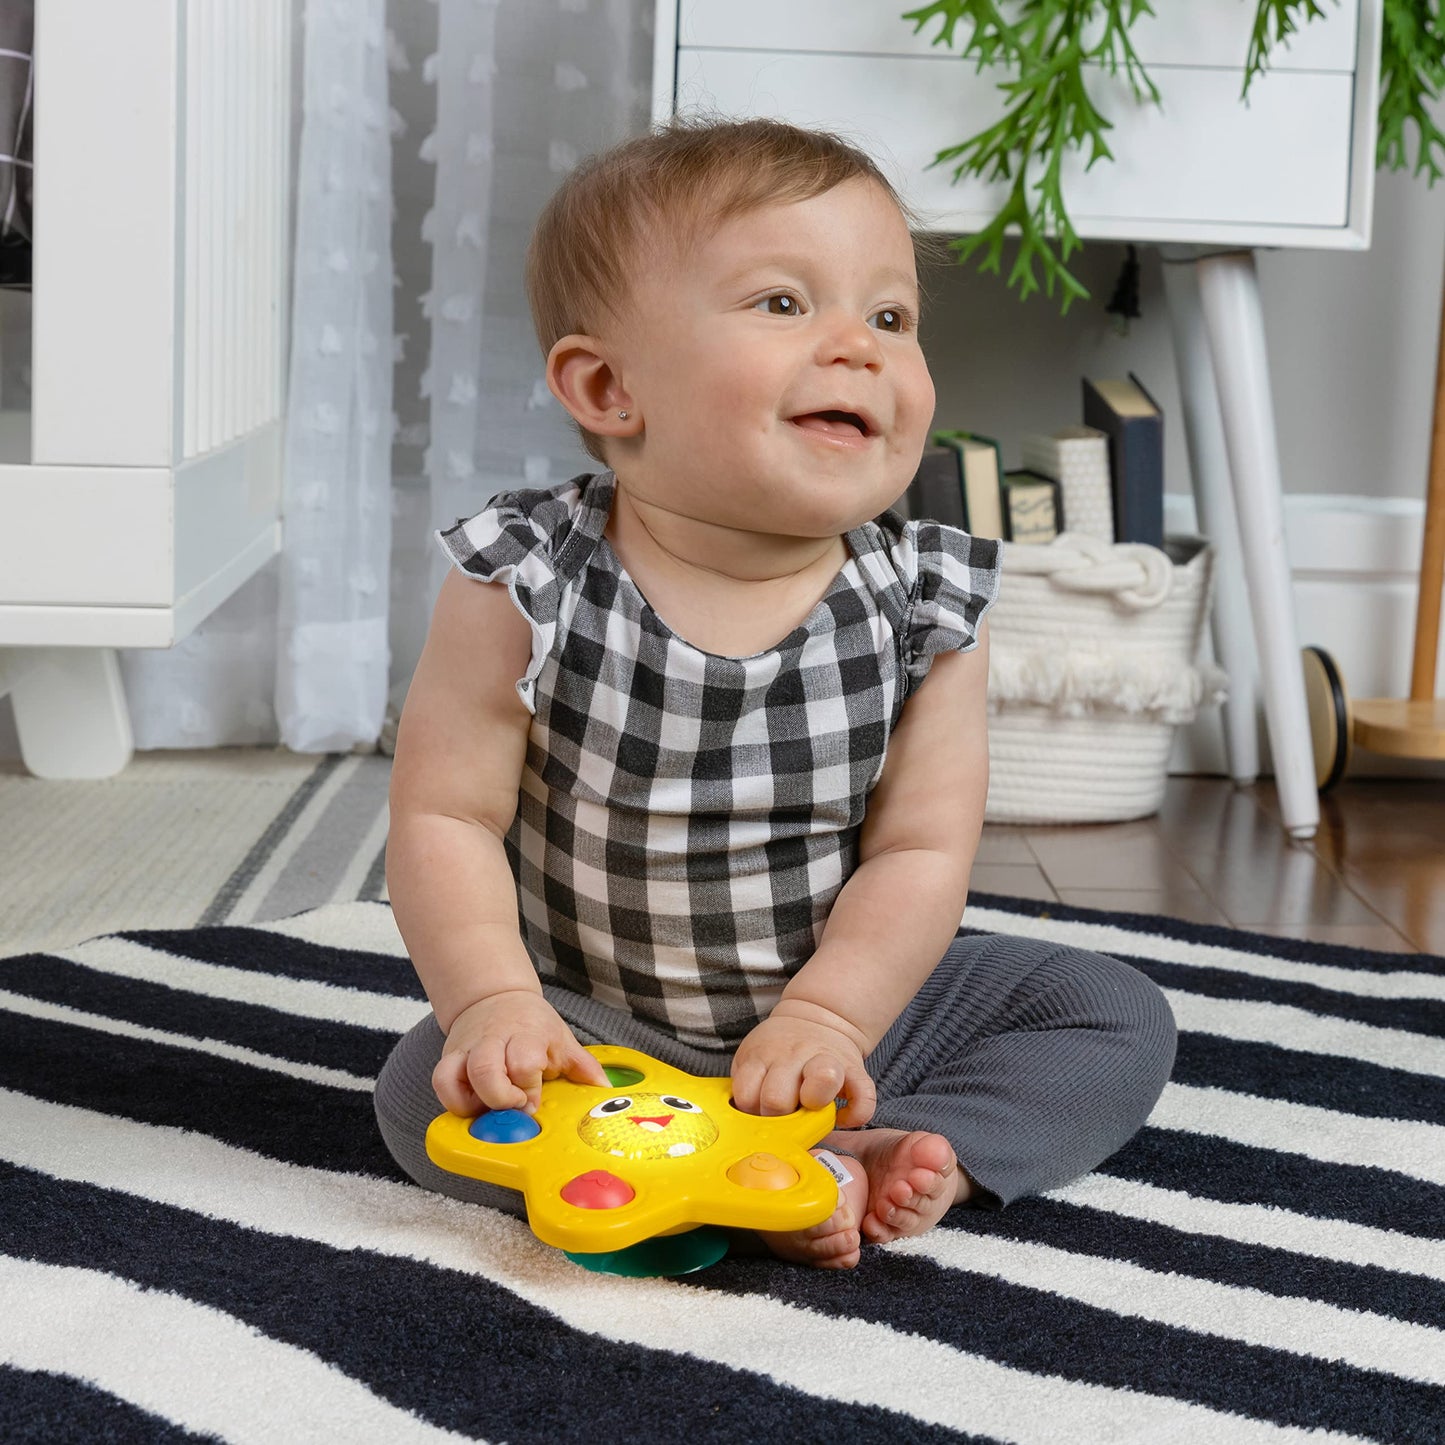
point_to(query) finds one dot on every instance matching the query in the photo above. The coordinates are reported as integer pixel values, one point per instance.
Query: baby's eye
(891, 318)
(780, 303)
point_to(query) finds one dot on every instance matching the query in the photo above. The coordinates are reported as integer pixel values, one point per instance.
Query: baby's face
(777, 370)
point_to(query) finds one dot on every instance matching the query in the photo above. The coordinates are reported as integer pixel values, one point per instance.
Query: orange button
(763, 1171)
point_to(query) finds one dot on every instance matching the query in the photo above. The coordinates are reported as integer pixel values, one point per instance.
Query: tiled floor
(1373, 877)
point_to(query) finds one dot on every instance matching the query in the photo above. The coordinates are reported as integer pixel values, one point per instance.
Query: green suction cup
(667, 1254)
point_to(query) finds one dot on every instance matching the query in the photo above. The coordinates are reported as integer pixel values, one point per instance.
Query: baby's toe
(930, 1152)
(835, 1249)
(927, 1185)
(833, 1244)
(838, 1251)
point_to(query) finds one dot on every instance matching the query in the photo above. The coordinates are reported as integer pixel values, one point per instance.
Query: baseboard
(1355, 567)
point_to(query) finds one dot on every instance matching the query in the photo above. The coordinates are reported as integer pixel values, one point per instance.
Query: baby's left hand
(785, 1062)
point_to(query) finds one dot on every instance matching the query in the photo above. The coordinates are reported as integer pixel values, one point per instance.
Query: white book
(1078, 459)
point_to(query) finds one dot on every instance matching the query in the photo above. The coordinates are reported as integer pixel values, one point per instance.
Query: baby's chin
(777, 497)
(815, 522)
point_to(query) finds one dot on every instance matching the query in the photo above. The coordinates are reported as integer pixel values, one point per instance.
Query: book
(936, 492)
(1077, 458)
(1033, 507)
(1134, 425)
(980, 466)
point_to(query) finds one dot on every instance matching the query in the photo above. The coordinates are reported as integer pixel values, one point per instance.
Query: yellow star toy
(657, 1152)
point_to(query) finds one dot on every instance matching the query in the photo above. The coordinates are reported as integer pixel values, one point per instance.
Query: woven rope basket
(1093, 649)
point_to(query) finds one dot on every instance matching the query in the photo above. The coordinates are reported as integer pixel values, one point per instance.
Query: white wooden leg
(1229, 296)
(70, 710)
(1209, 465)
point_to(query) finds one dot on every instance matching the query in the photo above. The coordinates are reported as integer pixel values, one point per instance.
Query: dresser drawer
(1196, 33)
(1281, 160)
(1293, 166)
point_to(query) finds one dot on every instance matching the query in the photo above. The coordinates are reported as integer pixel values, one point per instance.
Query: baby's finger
(861, 1099)
(582, 1067)
(823, 1079)
(526, 1064)
(779, 1093)
(450, 1084)
(487, 1070)
(747, 1076)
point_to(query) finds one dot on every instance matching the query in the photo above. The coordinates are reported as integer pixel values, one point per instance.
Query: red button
(597, 1189)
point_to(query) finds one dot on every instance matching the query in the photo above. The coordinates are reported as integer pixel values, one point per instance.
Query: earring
(622, 416)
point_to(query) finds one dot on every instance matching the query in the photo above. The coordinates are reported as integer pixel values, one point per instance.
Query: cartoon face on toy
(647, 1126)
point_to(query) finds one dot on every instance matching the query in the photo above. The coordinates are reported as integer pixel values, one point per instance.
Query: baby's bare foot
(913, 1178)
(836, 1242)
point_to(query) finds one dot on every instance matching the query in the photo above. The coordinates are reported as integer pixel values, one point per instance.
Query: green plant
(1042, 47)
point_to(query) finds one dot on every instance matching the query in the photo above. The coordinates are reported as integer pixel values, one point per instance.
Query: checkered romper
(686, 820)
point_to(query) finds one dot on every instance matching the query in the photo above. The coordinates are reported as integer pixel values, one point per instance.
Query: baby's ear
(582, 378)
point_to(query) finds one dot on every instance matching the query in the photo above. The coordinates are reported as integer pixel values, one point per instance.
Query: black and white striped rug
(201, 1236)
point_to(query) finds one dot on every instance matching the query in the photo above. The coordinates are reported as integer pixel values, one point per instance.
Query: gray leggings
(1035, 1062)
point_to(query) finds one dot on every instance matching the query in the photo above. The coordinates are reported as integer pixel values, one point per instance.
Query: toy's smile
(661, 1121)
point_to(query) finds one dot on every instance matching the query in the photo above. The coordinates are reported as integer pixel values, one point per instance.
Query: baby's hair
(684, 177)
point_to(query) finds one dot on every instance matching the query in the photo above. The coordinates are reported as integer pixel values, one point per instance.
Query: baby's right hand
(500, 1049)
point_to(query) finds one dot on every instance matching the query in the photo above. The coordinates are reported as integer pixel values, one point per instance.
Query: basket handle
(1137, 576)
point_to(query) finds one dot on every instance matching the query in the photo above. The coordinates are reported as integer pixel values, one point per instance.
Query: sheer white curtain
(331, 672)
(299, 653)
(431, 136)
(524, 90)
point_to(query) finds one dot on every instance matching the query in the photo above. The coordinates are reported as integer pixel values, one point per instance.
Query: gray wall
(1351, 336)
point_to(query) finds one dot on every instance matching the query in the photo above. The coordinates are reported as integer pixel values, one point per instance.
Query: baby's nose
(852, 341)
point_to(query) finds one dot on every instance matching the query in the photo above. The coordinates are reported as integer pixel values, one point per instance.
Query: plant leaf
(1041, 56)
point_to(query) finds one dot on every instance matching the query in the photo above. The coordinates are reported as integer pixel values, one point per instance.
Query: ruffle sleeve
(953, 581)
(514, 540)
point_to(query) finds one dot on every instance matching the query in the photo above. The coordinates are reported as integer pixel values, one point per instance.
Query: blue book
(1134, 425)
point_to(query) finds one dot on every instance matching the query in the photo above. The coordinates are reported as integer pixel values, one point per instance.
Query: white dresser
(1293, 167)
(1207, 177)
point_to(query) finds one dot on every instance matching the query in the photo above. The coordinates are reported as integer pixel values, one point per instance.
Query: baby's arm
(459, 754)
(897, 914)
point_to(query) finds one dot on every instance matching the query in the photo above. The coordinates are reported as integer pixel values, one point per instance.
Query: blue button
(504, 1126)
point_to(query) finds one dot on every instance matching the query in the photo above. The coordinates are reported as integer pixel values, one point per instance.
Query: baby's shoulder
(534, 541)
(538, 531)
(935, 580)
(918, 555)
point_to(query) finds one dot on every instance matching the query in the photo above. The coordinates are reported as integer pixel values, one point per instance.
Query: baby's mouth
(845, 424)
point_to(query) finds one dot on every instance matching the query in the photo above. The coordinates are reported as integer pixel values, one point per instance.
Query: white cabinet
(144, 486)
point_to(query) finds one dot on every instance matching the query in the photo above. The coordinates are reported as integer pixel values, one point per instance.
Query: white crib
(144, 485)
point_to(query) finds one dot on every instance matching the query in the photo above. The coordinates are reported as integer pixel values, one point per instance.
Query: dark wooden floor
(1373, 877)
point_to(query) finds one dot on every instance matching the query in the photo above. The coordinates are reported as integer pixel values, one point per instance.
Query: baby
(695, 760)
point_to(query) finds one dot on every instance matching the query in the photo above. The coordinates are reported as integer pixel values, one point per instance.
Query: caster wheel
(1331, 725)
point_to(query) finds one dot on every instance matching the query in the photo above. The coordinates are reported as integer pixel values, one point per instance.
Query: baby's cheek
(916, 404)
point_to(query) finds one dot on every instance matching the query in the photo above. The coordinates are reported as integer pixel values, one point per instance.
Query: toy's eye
(686, 1106)
(617, 1105)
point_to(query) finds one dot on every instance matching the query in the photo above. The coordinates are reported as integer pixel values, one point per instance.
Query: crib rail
(162, 142)
(237, 88)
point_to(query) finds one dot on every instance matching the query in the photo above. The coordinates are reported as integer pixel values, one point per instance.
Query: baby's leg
(1032, 1061)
